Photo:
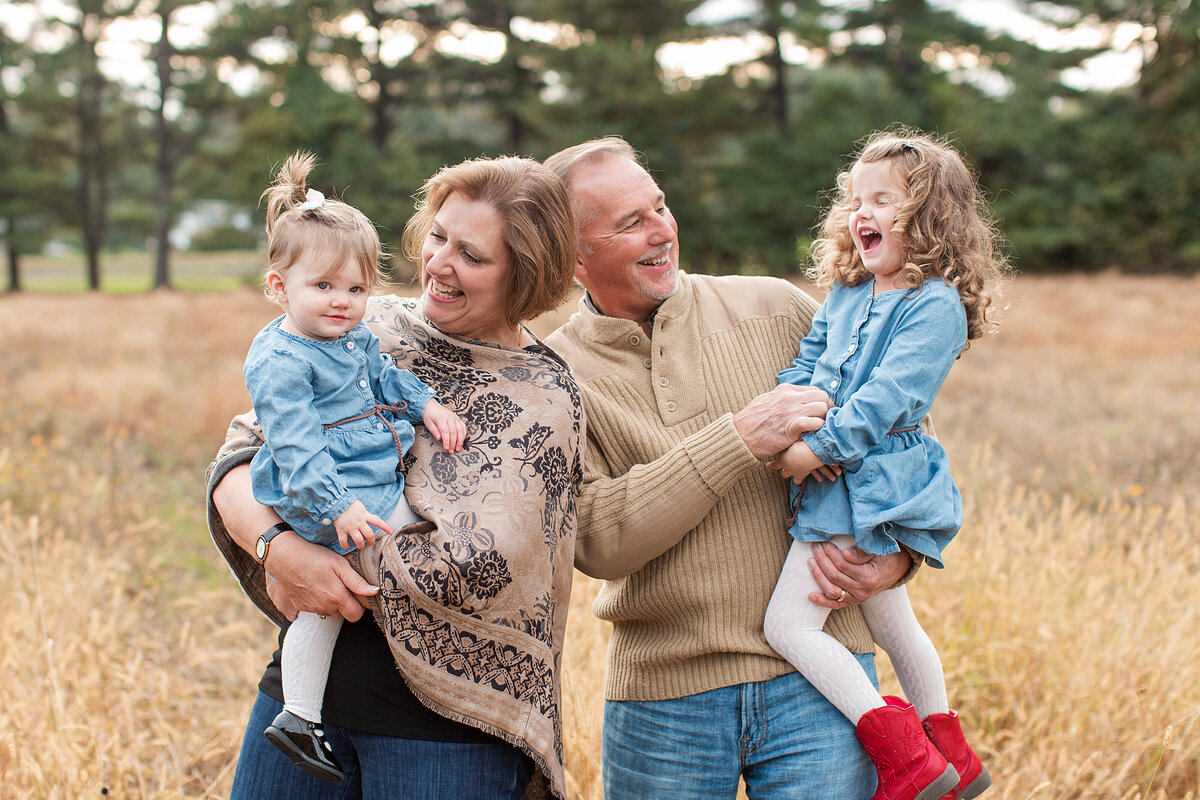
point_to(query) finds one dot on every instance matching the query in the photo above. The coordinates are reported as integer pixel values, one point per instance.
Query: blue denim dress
(330, 441)
(882, 360)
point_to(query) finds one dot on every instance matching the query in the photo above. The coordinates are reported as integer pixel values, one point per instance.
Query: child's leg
(402, 515)
(308, 647)
(793, 627)
(895, 628)
(307, 651)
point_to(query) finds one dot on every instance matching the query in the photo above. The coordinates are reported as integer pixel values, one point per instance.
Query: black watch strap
(264, 539)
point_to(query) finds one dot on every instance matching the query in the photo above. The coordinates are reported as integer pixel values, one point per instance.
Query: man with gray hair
(681, 518)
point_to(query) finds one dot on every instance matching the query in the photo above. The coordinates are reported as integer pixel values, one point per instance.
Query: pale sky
(125, 52)
(1115, 69)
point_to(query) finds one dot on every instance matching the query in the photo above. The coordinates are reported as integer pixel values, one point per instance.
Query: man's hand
(302, 576)
(860, 574)
(774, 421)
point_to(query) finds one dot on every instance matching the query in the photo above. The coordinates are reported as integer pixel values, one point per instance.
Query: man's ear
(580, 266)
(277, 286)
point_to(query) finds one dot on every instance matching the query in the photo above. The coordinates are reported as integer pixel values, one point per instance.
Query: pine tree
(38, 153)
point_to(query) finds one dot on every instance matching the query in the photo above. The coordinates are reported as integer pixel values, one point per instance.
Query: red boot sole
(976, 787)
(937, 790)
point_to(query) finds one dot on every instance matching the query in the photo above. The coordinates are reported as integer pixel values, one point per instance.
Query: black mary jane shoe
(304, 743)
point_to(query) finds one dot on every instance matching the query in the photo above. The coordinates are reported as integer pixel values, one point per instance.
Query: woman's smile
(441, 291)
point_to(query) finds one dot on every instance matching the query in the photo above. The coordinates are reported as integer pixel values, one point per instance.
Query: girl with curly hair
(912, 262)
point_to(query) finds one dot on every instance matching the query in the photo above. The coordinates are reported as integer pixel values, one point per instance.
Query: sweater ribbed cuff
(719, 455)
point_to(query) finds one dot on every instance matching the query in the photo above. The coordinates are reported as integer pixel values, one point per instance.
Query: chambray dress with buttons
(882, 359)
(311, 473)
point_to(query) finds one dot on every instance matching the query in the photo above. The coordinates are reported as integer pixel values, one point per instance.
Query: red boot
(946, 734)
(909, 766)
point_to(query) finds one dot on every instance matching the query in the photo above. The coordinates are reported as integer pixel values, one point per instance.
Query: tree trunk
(517, 129)
(14, 261)
(162, 212)
(92, 178)
(779, 89)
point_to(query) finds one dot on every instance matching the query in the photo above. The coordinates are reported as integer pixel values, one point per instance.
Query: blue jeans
(378, 767)
(781, 736)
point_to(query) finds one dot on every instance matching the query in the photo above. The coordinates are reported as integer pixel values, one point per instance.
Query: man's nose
(663, 230)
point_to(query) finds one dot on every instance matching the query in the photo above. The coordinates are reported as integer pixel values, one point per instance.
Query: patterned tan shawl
(474, 601)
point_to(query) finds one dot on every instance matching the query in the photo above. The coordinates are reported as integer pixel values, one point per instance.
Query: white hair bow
(313, 199)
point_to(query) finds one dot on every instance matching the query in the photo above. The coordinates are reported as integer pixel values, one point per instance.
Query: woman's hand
(302, 576)
(354, 524)
(445, 426)
(307, 577)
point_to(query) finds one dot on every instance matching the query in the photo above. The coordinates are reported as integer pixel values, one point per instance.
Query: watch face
(260, 548)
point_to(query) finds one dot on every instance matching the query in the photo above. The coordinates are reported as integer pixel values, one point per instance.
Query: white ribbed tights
(793, 626)
(308, 647)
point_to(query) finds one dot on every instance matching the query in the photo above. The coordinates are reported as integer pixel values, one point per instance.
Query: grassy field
(133, 272)
(1067, 618)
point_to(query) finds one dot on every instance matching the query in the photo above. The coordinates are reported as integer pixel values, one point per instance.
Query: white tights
(793, 627)
(308, 647)
(307, 651)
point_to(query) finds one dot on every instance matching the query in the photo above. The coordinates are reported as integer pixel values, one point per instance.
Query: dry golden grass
(1066, 619)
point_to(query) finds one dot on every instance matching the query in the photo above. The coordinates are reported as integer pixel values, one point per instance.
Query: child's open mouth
(870, 240)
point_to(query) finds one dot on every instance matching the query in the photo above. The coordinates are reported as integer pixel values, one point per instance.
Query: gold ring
(326, 616)
(842, 596)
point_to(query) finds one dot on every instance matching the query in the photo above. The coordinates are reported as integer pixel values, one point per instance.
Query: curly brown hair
(944, 224)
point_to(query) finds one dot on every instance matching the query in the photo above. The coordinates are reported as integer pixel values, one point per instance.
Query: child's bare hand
(445, 426)
(354, 525)
(827, 472)
(799, 461)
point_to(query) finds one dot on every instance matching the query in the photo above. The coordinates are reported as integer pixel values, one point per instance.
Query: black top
(366, 692)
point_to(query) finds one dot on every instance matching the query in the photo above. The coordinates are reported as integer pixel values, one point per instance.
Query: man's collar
(591, 306)
(587, 299)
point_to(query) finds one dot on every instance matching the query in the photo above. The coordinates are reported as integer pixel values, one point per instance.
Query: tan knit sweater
(686, 527)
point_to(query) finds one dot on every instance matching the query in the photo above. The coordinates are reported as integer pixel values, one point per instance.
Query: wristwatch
(263, 545)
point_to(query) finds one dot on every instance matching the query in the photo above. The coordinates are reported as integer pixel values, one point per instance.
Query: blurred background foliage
(114, 136)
